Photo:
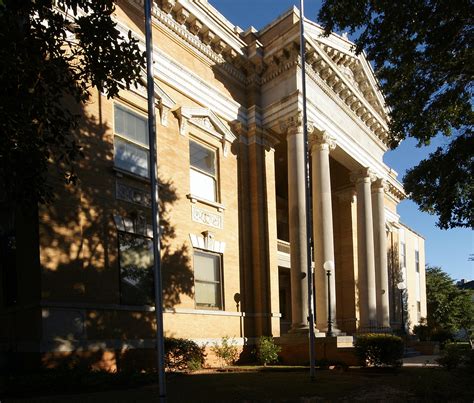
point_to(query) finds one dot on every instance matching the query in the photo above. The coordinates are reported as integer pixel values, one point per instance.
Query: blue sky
(449, 249)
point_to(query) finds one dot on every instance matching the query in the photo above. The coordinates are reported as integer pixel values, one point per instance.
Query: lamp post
(328, 266)
(401, 286)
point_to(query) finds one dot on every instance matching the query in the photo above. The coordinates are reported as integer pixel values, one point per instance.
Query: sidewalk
(421, 361)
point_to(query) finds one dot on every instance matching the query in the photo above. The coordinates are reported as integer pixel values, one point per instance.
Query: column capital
(363, 175)
(320, 140)
(294, 124)
(347, 194)
(380, 185)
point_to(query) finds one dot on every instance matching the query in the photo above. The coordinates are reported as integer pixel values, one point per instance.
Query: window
(207, 280)
(203, 182)
(136, 269)
(417, 261)
(131, 142)
(403, 254)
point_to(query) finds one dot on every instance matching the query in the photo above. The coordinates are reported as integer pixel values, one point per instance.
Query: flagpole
(309, 226)
(154, 203)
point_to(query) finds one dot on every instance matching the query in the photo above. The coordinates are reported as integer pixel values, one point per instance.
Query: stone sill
(193, 198)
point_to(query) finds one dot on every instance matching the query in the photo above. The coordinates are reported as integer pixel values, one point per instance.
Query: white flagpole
(154, 204)
(309, 226)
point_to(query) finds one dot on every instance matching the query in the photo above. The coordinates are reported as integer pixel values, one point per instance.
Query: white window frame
(206, 174)
(132, 142)
(220, 288)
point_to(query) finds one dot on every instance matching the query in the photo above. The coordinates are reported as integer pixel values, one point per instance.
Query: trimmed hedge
(182, 354)
(378, 349)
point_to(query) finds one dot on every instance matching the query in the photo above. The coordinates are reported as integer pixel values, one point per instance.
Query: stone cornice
(330, 72)
(328, 75)
(396, 191)
(181, 22)
(354, 70)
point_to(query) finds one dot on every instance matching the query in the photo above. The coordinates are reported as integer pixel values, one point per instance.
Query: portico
(369, 300)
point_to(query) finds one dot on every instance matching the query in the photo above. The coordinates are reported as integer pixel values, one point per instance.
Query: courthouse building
(78, 278)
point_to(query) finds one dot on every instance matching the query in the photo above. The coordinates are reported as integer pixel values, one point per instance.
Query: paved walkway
(421, 361)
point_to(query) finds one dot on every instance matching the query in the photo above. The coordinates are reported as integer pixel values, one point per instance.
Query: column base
(335, 332)
(298, 328)
(297, 331)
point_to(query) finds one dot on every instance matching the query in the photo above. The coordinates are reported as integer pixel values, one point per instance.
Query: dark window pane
(202, 158)
(136, 269)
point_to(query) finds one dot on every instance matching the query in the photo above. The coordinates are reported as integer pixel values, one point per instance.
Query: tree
(53, 53)
(423, 57)
(448, 306)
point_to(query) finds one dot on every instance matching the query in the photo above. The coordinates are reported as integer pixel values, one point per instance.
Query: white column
(297, 224)
(381, 266)
(321, 144)
(365, 250)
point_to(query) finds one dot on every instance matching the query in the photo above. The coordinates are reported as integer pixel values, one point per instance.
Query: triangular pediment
(348, 78)
(354, 68)
(206, 120)
(160, 95)
(360, 74)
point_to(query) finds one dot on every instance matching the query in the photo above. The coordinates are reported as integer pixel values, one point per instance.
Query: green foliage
(53, 54)
(375, 349)
(455, 355)
(182, 354)
(226, 350)
(449, 308)
(441, 335)
(267, 351)
(426, 332)
(422, 331)
(422, 52)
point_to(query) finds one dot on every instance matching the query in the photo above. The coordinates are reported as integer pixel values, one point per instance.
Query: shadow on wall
(397, 298)
(97, 280)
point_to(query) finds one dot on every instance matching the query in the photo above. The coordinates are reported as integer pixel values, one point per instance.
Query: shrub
(181, 354)
(455, 355)
(377, 350)
(423, 332)
(226, 351)
(267, 350)
(469, 360)
(441, 335)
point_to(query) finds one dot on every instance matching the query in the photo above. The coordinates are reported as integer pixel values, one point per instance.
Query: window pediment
(207, 121)
(163, 101)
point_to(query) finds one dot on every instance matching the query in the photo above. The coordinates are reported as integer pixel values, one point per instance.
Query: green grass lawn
(406, 384)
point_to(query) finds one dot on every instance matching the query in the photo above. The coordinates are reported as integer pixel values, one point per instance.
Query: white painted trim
(284, 260)
(185, 81)
(390, 216)
(207, 312)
